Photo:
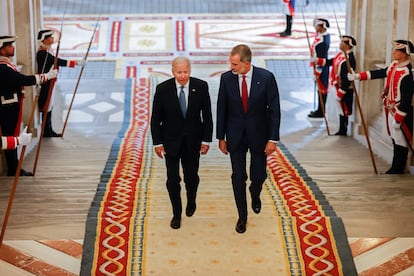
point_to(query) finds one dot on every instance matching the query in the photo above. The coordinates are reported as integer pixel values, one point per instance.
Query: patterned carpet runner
(115, 225)
(313, 238)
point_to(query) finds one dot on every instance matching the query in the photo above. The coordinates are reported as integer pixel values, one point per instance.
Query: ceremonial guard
(397, 98)
(11, 97)
(319, 52)
(339, 79)
(45, 61)
(290, 13)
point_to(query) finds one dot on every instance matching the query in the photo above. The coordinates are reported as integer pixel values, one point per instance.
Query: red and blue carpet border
(315, 239)
(115, 224)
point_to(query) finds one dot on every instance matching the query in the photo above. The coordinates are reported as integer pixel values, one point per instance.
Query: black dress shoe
(315, 114)
(241, 226)
(394, 171)
(285, 33)
(25, 173)
(340, 133)
(51, 134)
(256, 205)
(175, 223)
(190, 209)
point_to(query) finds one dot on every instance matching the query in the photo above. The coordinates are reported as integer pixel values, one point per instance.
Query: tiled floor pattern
(138, 37)
(147, 45)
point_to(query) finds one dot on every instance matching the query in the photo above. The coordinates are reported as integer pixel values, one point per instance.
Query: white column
(403, 19)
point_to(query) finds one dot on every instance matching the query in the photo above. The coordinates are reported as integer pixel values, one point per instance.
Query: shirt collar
(323, 34)
(179, 85)
(248, 74)
(403, 63)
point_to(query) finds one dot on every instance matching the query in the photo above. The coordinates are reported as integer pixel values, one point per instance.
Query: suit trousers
(190, 163)
(239, 176)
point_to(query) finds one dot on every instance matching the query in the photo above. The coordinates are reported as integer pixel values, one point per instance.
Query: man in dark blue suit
(181, 128)
(248, 118)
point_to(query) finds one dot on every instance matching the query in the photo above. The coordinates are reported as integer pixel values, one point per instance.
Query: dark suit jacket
(261, 122)
(170, 128)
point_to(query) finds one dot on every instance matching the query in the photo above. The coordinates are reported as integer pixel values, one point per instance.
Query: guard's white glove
(24, 138)
(313, 59)
(51, 74)
(395, 124)
(37, 90)
(81, 62)
(42, 78)
(353, 76)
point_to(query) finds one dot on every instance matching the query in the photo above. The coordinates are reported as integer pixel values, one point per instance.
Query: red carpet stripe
(131, 72)
(180, 35)
(116, 33)
(67, 247)
(29, 263)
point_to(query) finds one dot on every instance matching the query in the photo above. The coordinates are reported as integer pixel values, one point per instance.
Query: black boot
(318, 113)
(394, 154)
(343, 126)
(399, 160)
(288, 31)
(13, 162)
(48, 127)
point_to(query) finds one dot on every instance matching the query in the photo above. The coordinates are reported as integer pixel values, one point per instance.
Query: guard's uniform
(319, 50)
(45, 61)
(11, 98)
(397, 99)
(339, 79)
(289, 10)
(290, 7)
(8, 142)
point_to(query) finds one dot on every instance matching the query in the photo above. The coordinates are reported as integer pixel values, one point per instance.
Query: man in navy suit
(181, 128)
(252, 124)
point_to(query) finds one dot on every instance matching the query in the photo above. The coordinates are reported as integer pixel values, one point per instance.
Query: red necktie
(244, 96)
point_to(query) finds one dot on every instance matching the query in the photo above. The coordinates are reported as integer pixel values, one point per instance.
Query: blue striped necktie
(183, 104)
